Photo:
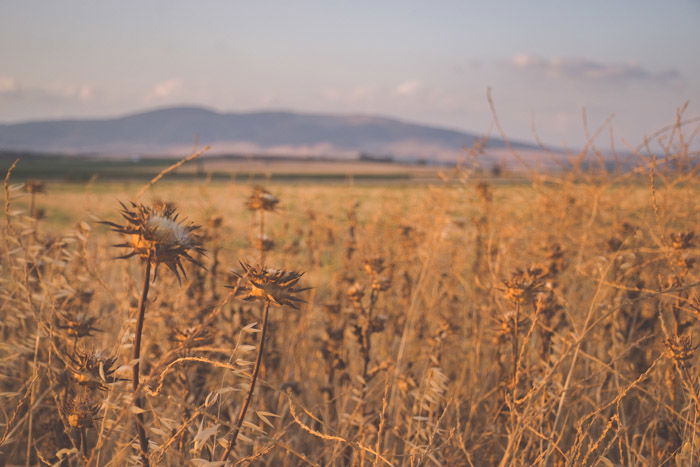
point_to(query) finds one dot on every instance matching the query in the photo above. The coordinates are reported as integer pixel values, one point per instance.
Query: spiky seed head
(271, 285)
(191, 337)
(156, 234)
(93, 370)
(523, 286)
(261, 200)
(680, 349)
(82, 412)
(374, 266)
(77, 326)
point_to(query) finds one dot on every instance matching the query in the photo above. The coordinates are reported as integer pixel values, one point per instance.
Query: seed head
(524, 286)
(271, 285)
(374, 266)
(191, 337)
(93, 370)
(261, 200)
(79, 326)
(82, 412)
(680, 349)
(156, 234)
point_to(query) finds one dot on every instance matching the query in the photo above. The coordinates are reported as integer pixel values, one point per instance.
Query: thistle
(680, 350)
(93, 370)
(157, 236)
(268, 286)
(261, 200)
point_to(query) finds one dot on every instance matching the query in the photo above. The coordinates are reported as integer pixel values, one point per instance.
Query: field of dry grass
(463, 323)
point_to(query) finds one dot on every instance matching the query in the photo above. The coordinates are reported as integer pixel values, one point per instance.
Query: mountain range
(174, 131)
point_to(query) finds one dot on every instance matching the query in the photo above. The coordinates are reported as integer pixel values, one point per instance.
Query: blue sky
(429, 62)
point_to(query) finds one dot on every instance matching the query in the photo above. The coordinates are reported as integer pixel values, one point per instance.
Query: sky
(547, 63)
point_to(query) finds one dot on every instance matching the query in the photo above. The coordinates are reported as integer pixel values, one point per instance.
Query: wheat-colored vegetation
(471, 322)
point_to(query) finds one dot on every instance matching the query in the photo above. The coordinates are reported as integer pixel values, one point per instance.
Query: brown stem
(83, 442)
(138, 401)
(256, 370)
(516, 349)
(261, 240)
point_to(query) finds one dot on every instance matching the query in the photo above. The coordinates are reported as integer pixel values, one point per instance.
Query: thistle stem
(32, 207)
(261, 240)
(254, 377)
(516, 349)
(138, 401)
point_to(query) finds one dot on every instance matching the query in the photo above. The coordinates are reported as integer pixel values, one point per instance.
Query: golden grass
(466, 323)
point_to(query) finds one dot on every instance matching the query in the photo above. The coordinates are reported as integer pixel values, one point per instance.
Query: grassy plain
(462, 322)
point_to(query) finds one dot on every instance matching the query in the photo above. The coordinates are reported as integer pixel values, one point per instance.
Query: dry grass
(550, 323)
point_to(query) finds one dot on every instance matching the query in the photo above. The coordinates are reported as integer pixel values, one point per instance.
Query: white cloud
(591, 70)
(8, 85)
(11, 87)
(166, 89)
(408, 88)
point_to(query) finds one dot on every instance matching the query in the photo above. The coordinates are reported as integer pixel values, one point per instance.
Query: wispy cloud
(8, 85)
(591, 70)
(165, 89)
(408, 88)
(12, 88)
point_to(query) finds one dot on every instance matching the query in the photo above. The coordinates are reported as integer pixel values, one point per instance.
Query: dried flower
(191, 337)
(261, 200)
(523, 286)
(77, 327)
(275, 286)
(680, 349)
(156, 234)
(93, 370)
(82, 412)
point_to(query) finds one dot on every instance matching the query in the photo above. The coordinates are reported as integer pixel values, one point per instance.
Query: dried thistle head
(82, 412)
(34, 186)
(524, 286)
(156, 234)
(261, 200)
(271, 285)
(77, 326)
(93, 370)
(374, 266)
(680, 349)
(506, 325)
(191, 337)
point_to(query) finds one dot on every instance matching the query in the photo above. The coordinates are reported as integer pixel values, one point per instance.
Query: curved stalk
(138, 401)
(254, 377)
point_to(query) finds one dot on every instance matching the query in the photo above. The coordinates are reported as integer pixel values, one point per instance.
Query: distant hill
(173, 131)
